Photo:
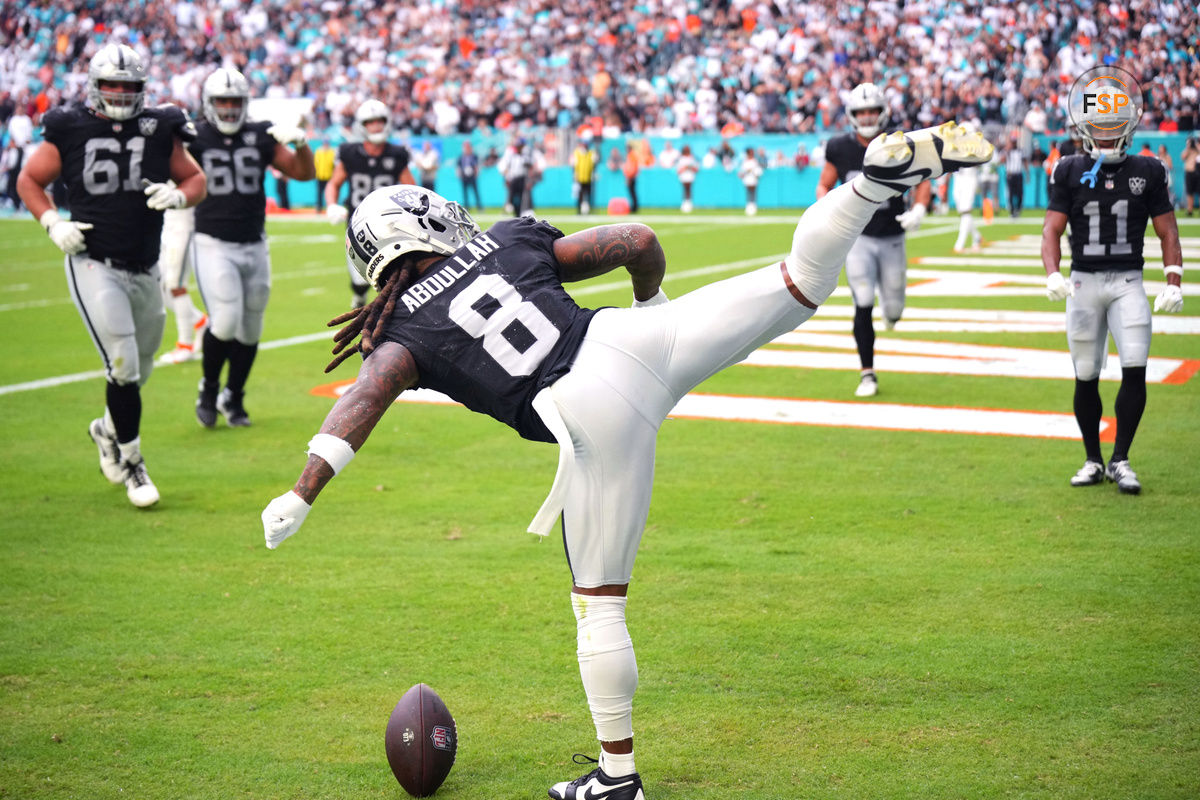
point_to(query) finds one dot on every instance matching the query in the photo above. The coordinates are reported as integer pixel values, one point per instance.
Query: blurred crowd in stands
(656, 67)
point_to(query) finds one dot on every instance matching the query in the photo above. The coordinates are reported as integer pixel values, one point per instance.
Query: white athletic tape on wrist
(1174, 269)
(658, 299)
(336, 452)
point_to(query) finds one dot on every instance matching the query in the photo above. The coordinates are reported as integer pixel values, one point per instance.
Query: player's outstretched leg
(900, 160)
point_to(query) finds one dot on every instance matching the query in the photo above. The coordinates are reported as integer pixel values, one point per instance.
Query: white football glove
(67, 235)
(911, 220)
(287, 134)
(1169, 299)
(1057, 287)
(336, 214)
(657, 300)
(282, 517)
(161, 196)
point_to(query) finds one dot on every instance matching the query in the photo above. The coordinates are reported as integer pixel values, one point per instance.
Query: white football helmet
(118, 63)
(368, 111)
(395, 220)
(226, 84)
(1110, 123)
(867, 96)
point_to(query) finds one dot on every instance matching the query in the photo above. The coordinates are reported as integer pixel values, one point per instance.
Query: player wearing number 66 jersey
(229, 248)
(123, 165)
(484, 317)
(1106, 197)
(365, 165)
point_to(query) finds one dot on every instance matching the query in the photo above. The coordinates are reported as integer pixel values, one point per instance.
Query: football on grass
(421, 741)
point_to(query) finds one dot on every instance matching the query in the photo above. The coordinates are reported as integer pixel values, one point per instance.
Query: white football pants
(878, 263)
(123, 313)
(1107, 302)
(234, 279)
(635, 364)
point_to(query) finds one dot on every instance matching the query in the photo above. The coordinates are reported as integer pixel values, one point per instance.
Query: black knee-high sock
(216, 353)
(241, 358)
(864, 336)
(124, 401)
(1088, 410)
(1131, 402)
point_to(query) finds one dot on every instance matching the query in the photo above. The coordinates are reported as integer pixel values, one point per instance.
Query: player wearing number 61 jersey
(1106, 197)
(123, 165)
(229, 248)
(364, 166)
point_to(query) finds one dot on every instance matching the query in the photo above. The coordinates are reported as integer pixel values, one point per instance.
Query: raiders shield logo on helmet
(414, 202)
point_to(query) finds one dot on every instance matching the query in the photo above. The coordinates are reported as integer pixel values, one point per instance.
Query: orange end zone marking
(1108, 429)
(329, 389)
(1183, 373)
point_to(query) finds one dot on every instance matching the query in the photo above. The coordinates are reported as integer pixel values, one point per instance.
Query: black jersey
(365, 173)
(846, 153)
(492, 325)
(236, 207)
(1108, 221)
(103, 165)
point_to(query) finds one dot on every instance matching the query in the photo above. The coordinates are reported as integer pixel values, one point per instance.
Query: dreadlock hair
(369, 320)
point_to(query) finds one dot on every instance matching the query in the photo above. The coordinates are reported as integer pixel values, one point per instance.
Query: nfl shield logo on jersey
(147, 125)
(1137, 185)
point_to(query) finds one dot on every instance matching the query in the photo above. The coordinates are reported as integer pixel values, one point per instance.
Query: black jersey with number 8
(492, 325)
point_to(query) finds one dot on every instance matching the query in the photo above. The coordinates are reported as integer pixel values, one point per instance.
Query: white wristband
(1174, 269)
(48, 218)
(658, 299)
(336, 452)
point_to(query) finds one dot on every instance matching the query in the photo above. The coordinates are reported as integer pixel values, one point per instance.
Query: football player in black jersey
(123, 165)
(484, 317)
(365, 165)
(1106, 197)
(229, 247)
(878, 261)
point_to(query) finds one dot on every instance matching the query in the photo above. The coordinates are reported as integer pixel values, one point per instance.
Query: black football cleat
(206, 405)
(598, 786)
(230, 405)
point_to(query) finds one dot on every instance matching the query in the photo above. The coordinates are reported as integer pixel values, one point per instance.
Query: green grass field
(818, 611)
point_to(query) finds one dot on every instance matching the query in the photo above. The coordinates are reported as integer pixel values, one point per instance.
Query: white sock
(131, 450)
(186, 315)
(825, 233)
(607, 664)
(616, 765)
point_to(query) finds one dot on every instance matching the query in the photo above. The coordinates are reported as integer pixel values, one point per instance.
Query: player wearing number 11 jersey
(229, 248)
(1106, 197)
(123, 165)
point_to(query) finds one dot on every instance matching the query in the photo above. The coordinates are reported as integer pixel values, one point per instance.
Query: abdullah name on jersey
(846, 153)
(104, 164)
(491, 325)
(365, 173)
(1108, 221)
(236, 207)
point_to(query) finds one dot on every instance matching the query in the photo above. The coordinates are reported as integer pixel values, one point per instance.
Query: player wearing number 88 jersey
(1106, 206)
(229, 248)
(364, 166)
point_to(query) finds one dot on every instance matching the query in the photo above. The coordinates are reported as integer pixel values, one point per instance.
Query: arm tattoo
(384, 375)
